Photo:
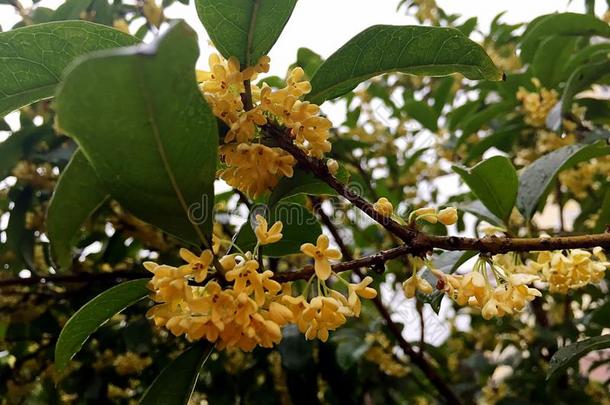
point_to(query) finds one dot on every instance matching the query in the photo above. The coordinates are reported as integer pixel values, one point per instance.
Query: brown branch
(320, 170)
(421, 242)
(496, 245)
(89, 278)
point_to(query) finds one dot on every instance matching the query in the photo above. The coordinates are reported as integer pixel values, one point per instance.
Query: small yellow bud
(333, 166)
(384, 207)
(448, 216)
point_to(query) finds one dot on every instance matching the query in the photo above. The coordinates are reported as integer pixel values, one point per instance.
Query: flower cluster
(131, 363)
(537, 105)
(572, 269)
(509, 294)
(247, 314)
(237, 304)
(328, 309)
(252, 166)
(380, 353)
(416, 283)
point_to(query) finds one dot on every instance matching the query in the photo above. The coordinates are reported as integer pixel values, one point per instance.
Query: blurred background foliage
(399, 139)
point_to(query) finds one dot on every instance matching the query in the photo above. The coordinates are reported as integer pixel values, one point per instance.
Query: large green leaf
(94, 314)
(431, 51)
(537, 178)
(244, 29)
(300, 226)
(175, 384)
(570, 354)
(34, 57)
(77, 195)
(494, 181)
(565, 24)
(141, 121)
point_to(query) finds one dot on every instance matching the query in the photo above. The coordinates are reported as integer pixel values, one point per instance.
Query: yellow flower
(447, 216)
(323, 315)
(414, 283)
(267, 236)
(333, 166)
(198, 265)
(427, 214)
(321, 254)
(153, 13)
(384, 207)
(356, 290)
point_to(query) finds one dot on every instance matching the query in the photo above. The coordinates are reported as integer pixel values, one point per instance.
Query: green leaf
(592, 53)
(581, 79)
(431, 51)
(443, 94)
(567, 355)
(77, 195)
(303, 182)
(93, 315)
(244, 29)
(502, 139)
(477, 209)
(4, 126)
(422, 113)
(350, 351)
(34, 57)
(71, 10)
(175, 384)
(564, 24)
(308, 60)
(550, 58)
(300, 226)
(17, 146)
(457, 115)
(603, 219)
(536, 179)
(144, 126)
(494, 181)
(16, 231)
(474, 122)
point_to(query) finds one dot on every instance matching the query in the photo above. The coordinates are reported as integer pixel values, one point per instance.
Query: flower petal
(322, 268)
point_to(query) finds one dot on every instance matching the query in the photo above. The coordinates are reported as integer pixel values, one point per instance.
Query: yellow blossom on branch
(267, 235)
(321, 254)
